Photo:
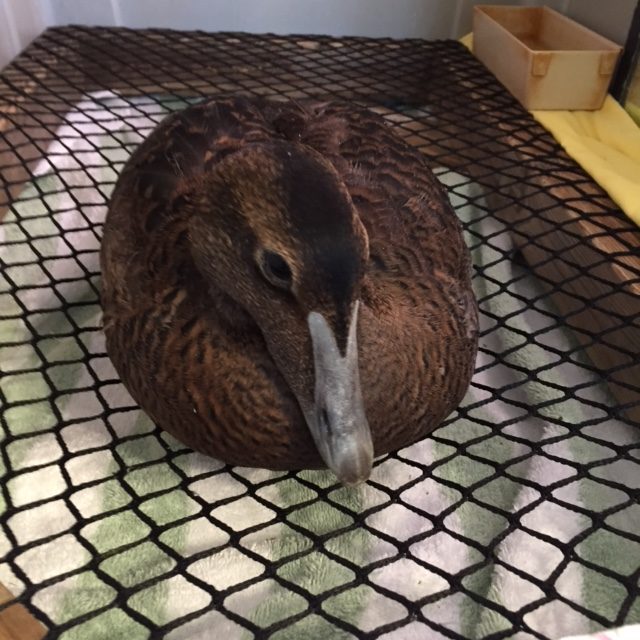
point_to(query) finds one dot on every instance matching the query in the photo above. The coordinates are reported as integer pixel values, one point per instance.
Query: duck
(285, 285)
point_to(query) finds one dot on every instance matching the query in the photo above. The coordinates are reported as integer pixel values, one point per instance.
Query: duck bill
(337, 420)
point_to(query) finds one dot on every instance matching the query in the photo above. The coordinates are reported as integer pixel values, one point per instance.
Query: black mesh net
(519, 517)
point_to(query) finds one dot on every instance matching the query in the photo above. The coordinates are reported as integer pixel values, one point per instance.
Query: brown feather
(195, 359)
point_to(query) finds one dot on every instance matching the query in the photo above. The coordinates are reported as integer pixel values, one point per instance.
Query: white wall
(394, 18)
(22, 20)
(610, 18)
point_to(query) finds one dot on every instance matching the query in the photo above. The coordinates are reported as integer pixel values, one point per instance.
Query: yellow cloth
(605, 143)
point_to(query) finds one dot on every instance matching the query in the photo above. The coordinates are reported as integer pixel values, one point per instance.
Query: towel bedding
(604, 142)
(122, 528)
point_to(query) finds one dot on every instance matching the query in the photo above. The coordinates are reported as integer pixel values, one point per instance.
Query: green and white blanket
(106, 510)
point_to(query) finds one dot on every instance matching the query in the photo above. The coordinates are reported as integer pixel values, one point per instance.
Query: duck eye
(276, 270)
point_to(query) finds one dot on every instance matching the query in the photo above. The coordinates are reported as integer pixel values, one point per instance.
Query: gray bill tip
(356, 467)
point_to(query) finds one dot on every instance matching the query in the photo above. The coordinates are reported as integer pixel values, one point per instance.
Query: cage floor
(518, 518)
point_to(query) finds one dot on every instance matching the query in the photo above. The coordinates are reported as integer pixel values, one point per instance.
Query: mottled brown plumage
(213, 341)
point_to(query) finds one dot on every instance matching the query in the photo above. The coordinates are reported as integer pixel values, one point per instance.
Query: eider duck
(285, 285)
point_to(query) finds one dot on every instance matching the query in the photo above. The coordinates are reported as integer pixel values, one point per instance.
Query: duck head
(274, 227)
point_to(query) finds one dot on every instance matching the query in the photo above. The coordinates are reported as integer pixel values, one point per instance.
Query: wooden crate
(546, 60)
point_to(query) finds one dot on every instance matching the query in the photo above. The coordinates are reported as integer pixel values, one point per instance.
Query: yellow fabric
(605, 143)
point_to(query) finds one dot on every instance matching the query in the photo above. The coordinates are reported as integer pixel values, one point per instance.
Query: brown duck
(286, 284)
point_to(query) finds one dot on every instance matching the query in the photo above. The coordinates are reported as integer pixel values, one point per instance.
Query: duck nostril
(324, 416)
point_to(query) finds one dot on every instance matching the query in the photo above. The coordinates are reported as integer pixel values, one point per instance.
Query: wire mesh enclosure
(518, 517)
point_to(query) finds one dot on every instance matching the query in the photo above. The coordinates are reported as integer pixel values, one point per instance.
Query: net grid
(443, 101)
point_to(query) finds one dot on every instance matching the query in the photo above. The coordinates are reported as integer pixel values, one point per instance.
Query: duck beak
(337, 421)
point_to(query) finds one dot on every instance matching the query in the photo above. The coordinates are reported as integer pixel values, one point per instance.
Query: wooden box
(546, 60)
